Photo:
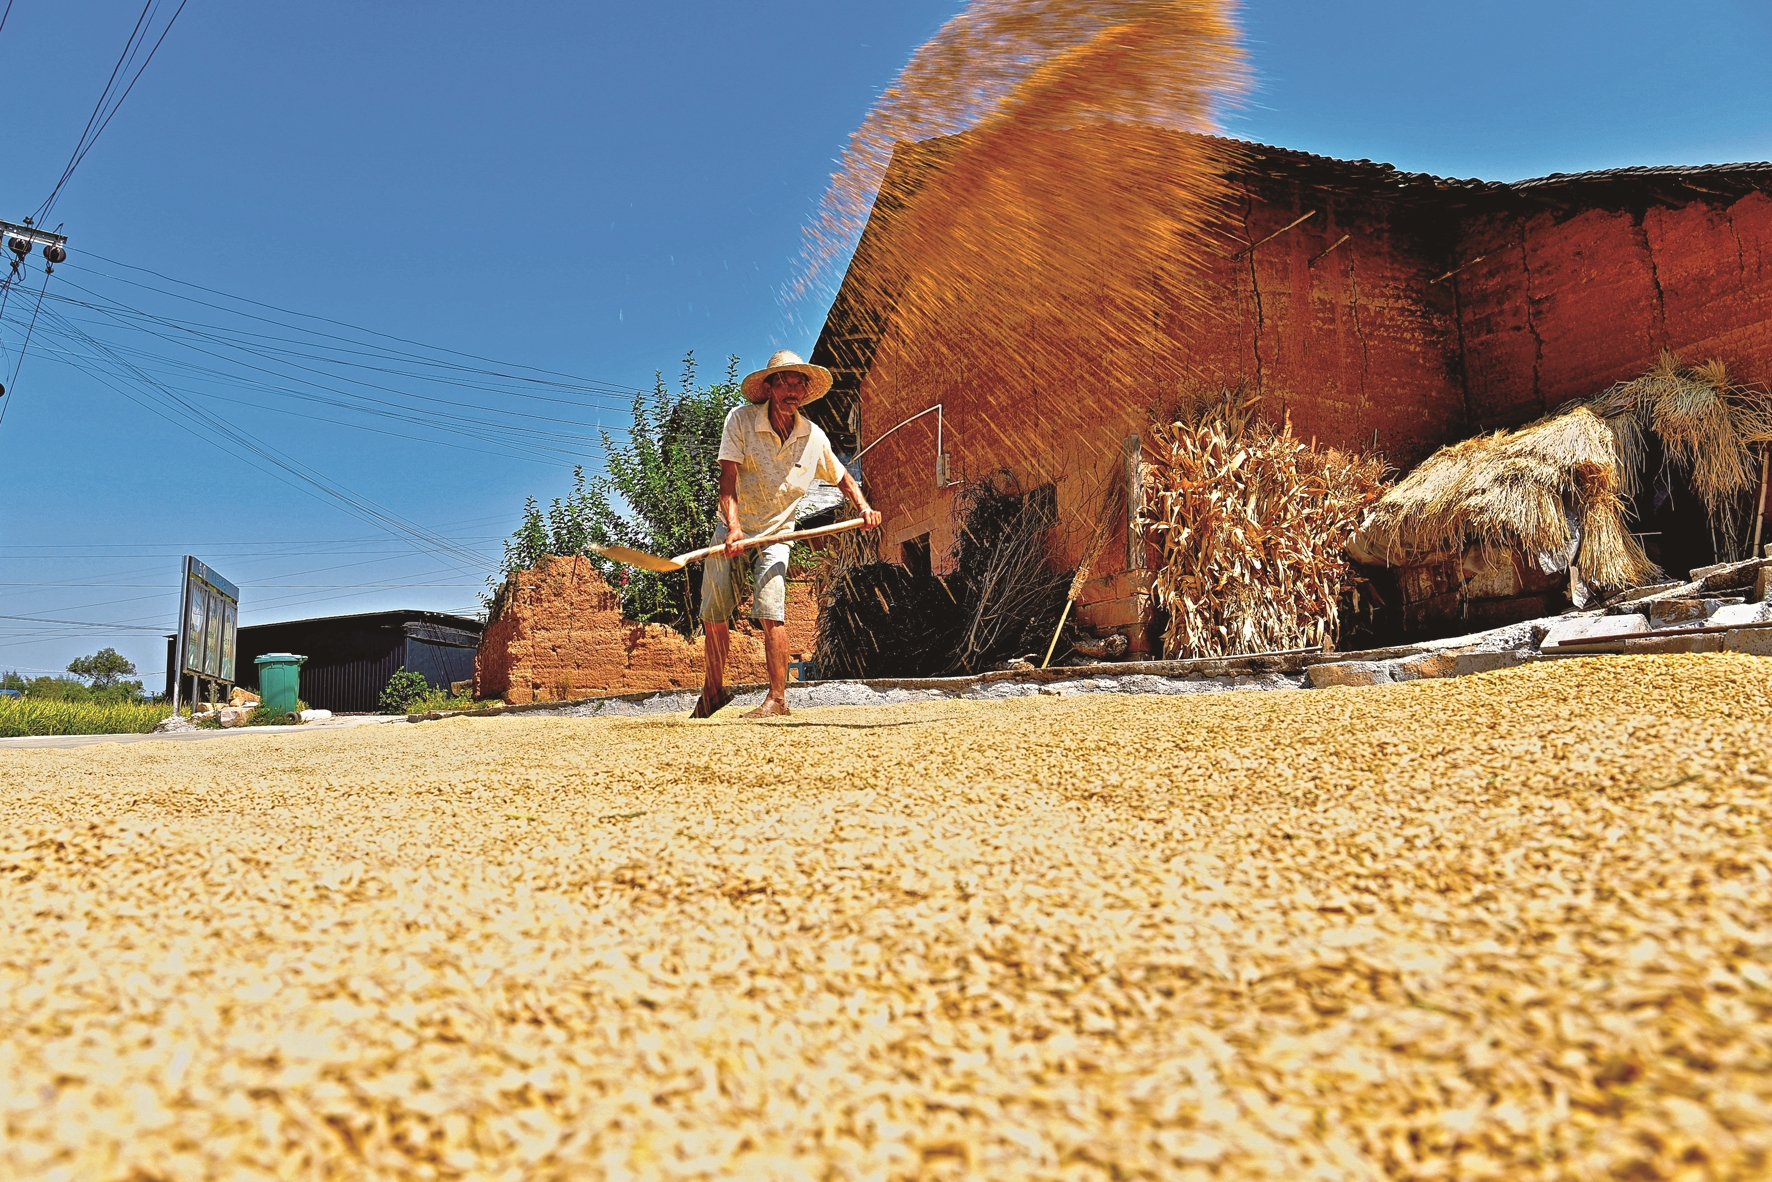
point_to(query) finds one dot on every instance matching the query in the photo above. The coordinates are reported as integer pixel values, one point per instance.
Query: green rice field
(36, 716)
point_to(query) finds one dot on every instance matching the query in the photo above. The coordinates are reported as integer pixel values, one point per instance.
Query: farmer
(769, 455)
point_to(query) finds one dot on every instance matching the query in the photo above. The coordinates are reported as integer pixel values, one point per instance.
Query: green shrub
(438, 700)
(403, 689)
(660, 493)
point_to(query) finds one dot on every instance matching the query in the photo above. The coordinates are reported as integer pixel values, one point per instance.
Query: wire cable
(12, 387)
(137, 38)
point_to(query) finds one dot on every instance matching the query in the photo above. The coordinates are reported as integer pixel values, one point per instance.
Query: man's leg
(716, 641)
(775, 652)
(717, 602)
(769, 608)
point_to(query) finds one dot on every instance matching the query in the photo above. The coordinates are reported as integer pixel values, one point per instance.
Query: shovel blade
(639, 558)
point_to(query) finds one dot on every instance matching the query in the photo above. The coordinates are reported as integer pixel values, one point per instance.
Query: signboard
(211, 620)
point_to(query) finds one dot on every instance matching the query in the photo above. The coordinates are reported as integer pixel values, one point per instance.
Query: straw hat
(818, 378)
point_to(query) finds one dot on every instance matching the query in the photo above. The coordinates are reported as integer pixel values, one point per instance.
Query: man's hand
(870, 517)
(734, 536)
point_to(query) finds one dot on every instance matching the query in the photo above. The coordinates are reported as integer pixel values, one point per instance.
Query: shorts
(769, 579)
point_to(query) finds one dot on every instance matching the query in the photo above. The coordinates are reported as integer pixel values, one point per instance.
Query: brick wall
(1405, 311)
(560, 634)
(1561, 307)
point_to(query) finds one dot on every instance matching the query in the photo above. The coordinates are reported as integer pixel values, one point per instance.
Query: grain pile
(1510, 926)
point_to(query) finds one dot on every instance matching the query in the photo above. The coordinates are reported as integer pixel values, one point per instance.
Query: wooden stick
(770, 540)
(1246, 250)
(1760, 515)
(1338, 242)
(1062, 616)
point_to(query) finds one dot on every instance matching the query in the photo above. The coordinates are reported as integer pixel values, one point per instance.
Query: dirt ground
(1510, 926)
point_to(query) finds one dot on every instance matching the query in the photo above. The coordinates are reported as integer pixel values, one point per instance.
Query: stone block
(231, 716)
(1349, 673)
(1762, 584)
(1465, 664)
(1673, 613)
(1757, 641)
(1425, 665)
(1729, 576)
(1734, 615)
(1702, 642)
(1593, 629)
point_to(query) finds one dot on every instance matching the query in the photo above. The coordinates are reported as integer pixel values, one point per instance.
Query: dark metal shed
(350, 658)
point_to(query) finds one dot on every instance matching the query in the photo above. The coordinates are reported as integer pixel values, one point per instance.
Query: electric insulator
(20, 246)
(55, 253)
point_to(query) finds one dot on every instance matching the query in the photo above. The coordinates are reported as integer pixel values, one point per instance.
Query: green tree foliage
(102, 669)
(660, 493)
(67, 689)
(403, 689)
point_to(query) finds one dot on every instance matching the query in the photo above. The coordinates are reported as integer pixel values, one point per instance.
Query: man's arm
(729, 505)
(852, 490)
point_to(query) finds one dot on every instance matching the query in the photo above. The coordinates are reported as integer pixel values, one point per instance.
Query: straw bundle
(1707, 426)
(1560, 489)
(1252, 524)
(1551, 489)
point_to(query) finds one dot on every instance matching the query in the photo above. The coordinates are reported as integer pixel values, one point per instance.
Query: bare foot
(705, 707)
(771, 708)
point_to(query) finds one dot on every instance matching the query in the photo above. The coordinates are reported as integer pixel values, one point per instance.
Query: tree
(102, 669)
(660, 493)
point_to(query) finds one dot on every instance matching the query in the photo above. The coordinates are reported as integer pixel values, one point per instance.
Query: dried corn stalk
(1252, 524)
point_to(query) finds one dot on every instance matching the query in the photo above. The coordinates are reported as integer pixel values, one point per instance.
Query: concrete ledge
(1291, 661)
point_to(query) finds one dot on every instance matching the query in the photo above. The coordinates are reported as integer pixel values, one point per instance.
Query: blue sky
(587, 189)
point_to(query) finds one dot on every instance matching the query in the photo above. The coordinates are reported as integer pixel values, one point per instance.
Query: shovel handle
(772, 539)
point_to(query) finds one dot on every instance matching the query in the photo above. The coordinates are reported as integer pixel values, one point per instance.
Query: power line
(11, 394)
(578, 382)
(137, 38)
(85, 624)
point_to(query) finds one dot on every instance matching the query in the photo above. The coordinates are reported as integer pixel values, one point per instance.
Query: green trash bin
(279, 681)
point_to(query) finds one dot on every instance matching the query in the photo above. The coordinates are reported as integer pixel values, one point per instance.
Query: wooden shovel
(647, 561)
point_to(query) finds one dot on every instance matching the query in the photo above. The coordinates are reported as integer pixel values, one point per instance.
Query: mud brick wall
(1560, 306)
(1404, 312)
(1333, 322)
(560, 634)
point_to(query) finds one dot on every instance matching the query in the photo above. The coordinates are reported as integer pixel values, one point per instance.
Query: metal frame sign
(209, 624)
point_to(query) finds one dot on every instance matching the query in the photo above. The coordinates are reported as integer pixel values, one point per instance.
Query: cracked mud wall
(1563, 306)
(1333, 321)
(560, 634)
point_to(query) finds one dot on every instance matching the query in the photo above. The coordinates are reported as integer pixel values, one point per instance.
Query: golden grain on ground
(1509, 926)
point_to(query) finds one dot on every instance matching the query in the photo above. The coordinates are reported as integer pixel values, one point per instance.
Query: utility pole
(22, 238)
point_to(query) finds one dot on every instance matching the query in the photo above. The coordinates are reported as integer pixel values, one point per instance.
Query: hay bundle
(1707, 426)
(1552, 490)
(1252, 524)
(1560, 489)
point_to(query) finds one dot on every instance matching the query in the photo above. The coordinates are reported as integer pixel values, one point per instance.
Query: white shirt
(773, 473)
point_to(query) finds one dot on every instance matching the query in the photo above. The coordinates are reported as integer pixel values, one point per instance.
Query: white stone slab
(1592, 629)
(1734, 615)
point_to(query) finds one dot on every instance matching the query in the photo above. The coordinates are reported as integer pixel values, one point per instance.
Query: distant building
(350, 658)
